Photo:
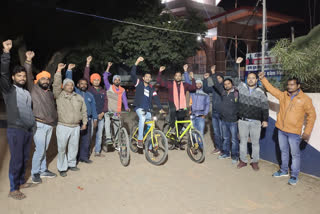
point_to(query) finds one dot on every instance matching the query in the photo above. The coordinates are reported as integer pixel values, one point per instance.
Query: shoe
(140, 144)
(234, 161)
(293, 181)
(109, 141)
(105, 148)
(36, 179)
(97, 154)
(86, 161)
(63, 173)
(241, 164)
(48, 174)
(255, 166)
(280, 174)
(223, 156)
(215, 151)
(74, 168)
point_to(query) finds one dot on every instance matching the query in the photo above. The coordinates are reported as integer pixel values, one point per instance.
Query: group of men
(33, 110)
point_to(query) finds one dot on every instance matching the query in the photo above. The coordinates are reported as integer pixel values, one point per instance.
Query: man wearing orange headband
(101, 100)
(45, 112)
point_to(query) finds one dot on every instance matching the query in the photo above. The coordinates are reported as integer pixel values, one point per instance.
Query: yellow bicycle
(195, 145)
(155, 142)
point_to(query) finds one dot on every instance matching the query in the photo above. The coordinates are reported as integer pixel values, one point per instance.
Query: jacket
(216, 97)
(200, 103)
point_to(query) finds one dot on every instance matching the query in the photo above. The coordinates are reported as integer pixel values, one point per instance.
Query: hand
(261, 75)
(162, 111)
(213, 69)
(83, 127)
(305, 137)
(206, 75)
(239, 60)
(128, 110)
(109, 66)
(7, 45)
(140, 59)
(162, 68)
(100, 116)
(71, 66)
(61, 66)
(89, 59)
(185, 67)
(95, 124)
(264, 124)
(191, 75)
(29, 55)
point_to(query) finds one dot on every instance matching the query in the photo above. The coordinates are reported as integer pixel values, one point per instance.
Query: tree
(301, 59)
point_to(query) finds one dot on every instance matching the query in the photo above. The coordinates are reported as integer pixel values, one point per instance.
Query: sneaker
(280, 174)
(97, 154)
(293, 181)
(109, 141)
(241, 164)
(223, 156)
(140, 144)
(255, 166)
(86, 161)
(36, 179)
(74, 168)
(48, 174)
(63, 173)
(215, 151)
(234, 161)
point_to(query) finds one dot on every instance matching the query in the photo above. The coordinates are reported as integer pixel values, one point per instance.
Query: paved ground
(179, 186)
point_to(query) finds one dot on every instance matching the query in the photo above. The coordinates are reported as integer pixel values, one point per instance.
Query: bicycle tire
(193, 149)
(171, 143)
(124, 150)
(154, 153)
(133, 143)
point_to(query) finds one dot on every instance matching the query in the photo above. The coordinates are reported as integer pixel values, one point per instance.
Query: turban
(94, 77)
(116, 77)
(41, 75)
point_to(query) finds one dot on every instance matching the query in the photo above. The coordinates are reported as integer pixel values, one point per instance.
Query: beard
(83, 89)
(19, 84)
(44, 86)
(117, 84)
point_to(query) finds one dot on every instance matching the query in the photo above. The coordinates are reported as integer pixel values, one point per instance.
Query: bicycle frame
(150, 131)
(177, 122)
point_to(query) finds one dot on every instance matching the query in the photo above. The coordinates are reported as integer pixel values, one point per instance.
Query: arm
(206, 111)
(84, 112)
(5, 82)
(58, 81)
(133, 74)
(265, 107)
(190, 87)
(311, 117)
(161, 81)
(157, 99)
(28, 67)
(125, 101)
(105, 106)
(217, 85)
(106, 80)
(69, 74)
(187, 78)
(274, 91)
(94, 109)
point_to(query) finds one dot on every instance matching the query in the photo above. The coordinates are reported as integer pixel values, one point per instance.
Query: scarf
(180, 104)
(119, 93)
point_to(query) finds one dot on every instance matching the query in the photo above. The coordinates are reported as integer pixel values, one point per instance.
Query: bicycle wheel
(156, 154)
(133, 142)
(124, 151)
(170, 137)
(195, 148)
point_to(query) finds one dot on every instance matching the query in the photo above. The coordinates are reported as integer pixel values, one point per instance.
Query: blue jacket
(140, 89)
(88, 98)
(200, 103)
(216, 97)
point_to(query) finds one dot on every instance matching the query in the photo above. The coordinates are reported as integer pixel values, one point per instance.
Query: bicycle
(156, 143)
(195, 145)
(120, 137)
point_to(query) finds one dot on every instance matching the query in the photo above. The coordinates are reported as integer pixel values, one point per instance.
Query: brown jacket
(43, 105)
(292, 111)
(71, 107)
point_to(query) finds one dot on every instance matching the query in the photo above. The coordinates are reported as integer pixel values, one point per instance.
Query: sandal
(27, 185)
(17, 195)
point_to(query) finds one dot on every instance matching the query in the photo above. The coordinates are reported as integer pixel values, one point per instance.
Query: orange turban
(42, 74)
(95, 76)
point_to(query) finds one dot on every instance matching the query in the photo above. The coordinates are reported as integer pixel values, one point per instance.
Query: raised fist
(7, 45)
(162, 68)
(261, 75)
(110, 64)
(71, 66)
(61, 66)
(29, 55)
(89, 59)
(191, 75)
(185, 67)
(206, 75)
(213, 69)
(140, 59)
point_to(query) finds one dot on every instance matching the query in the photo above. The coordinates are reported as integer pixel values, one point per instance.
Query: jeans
(41, 140)
(116, 124)
(67, 136)
(252, 129)
(143, 116)
(217, 131)
(19, 142)
(230, 131)
(198, 123)
(85, 141)
(99, 133)
(290, 141)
